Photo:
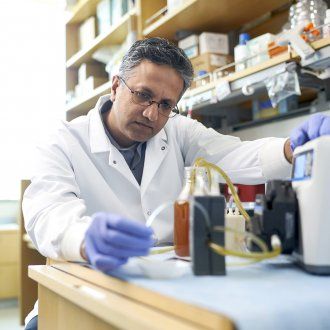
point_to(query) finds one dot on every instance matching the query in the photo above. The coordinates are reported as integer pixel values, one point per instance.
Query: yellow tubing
(200, 162)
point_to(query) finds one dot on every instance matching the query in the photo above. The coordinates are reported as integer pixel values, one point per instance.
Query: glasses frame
(150, 102)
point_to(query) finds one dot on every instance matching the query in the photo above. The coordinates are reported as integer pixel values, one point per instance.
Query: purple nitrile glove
(111, 239)
(316, 126)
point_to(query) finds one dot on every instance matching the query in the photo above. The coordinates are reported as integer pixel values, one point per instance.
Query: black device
(277, 213)
(204, 260)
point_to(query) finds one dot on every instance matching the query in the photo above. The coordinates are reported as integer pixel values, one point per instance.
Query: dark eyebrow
(146, 89)
(152, 94)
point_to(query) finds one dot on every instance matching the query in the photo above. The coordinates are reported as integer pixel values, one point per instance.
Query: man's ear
(114, 86)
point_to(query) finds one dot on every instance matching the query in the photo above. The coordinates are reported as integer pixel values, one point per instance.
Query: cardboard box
(87, 32)
(209, 62)
(91, 69)
(213, 43)
(103, 15)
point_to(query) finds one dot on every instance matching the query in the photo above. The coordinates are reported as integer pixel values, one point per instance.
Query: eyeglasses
(141, 98)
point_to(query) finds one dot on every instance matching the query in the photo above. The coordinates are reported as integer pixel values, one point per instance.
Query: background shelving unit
(115, 35)
(212, 15)
(204, 102)
(226, 16)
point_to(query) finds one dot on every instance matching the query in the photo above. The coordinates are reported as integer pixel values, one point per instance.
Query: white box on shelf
(191, 52)
(90, 69)
(103, 15)
(87, 32)
(91, 83)
(210, 42)
(118, 9)
(258, 48)
(188, 42)
(78, 90)
(173, 4)
(190, 45)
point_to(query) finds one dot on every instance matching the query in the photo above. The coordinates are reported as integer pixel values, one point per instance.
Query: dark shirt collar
(106, 107)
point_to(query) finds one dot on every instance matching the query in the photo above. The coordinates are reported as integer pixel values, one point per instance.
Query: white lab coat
(79, 172)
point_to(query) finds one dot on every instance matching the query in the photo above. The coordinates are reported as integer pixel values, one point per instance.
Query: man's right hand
(111, 239)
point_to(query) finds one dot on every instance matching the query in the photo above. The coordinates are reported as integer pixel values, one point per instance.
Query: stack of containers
(207, 52)
(305, 11)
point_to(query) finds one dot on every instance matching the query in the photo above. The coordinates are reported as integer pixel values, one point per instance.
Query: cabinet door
(8, 246)
(8, 281)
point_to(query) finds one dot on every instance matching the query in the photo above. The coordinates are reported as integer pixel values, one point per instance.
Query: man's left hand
(316, 126)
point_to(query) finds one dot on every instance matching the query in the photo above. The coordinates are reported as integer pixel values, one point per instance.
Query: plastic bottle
(241, 52)
(181, 216)
(326, 27)
(201, 186)
(215, 180)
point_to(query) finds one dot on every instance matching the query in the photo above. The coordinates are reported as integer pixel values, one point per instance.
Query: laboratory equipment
(311, 182)
(235, 221)
(195, 185)
(297, 42)
(205, 261)
(297, 211)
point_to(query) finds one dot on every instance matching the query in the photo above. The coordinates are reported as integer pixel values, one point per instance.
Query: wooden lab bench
(75, 297)
(273, 294)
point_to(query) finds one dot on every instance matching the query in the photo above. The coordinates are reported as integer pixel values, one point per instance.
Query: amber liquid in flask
(181, 228)
(181, 217)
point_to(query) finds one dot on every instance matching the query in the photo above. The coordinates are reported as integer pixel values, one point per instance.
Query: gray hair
(159, 51)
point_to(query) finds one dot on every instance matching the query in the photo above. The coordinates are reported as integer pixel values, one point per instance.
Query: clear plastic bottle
(215, 180)
(241, 52)
(201, 184)
(181, 216)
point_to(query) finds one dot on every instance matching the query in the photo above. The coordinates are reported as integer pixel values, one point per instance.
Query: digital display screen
(302, 166)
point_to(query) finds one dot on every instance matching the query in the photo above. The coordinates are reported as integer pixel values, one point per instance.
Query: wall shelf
(115, 35)
(246, 76)
(201, 15)
(81, 11)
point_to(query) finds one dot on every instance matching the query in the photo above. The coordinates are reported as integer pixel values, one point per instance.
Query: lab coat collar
(99, 142)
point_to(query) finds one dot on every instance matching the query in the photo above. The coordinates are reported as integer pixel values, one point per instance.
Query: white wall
(32, 83)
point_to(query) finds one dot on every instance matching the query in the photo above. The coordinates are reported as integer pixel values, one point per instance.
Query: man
(99, 177)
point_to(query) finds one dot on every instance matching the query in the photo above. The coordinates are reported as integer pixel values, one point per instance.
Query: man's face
(130, 122)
